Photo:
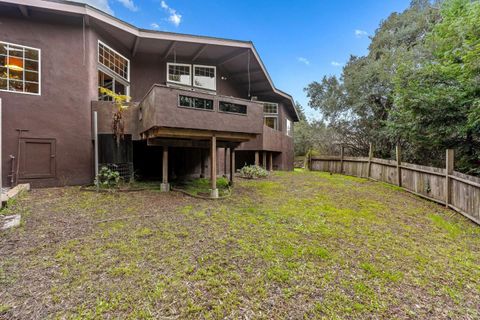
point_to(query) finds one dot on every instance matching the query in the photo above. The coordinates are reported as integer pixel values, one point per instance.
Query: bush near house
(253, 172)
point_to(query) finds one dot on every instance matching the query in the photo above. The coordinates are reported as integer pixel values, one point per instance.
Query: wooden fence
(455, 190)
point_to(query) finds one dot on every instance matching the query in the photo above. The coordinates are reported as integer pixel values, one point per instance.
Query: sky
(298, 41)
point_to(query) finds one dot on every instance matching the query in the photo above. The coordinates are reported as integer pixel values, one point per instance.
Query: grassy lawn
(296, 245)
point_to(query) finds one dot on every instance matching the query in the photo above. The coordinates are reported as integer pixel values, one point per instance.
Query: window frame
(39, 93)
(193, 108)
(102, 68)
(270, 113)
(183, 65)
(232, 112)
(274, 115)
(116, 52)
(204, 66)
(289, 129)
(276, 121)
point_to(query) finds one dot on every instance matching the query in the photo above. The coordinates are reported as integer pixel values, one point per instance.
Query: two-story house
(199, 105)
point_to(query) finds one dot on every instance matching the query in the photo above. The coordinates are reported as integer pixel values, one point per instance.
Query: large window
(179, 73)
(204, 77)
(113, 72)
(113, 61)
(270, 111)
(196, 103)
(19, 68)
(232, 107)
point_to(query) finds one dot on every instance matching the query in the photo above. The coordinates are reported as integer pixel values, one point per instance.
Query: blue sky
(299, 42)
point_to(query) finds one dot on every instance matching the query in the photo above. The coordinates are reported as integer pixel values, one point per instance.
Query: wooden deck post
(232, 164)
(264, 160)
(370, 157)
(165, 186)
(202, 163)
(271, 161)
(213, 167)
(342, 151)
(257, 158)
(225, 160)
(398, 152)
(448, 172)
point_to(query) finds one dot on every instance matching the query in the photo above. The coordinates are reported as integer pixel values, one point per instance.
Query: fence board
(424, 181)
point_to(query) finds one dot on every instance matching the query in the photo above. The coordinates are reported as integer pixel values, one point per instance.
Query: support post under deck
(165, 186)
(213, 167)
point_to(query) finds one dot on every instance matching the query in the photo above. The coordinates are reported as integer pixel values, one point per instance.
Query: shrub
(107, 178)
(253, 172)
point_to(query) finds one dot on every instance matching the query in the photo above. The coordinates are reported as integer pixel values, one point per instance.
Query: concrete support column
(264, 160)
(213, 167)
(271, 162)
(257, 158)
(202, 163)
(232, 165)
(165, 186)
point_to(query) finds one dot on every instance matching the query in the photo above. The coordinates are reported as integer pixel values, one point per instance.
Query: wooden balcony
(162, 115)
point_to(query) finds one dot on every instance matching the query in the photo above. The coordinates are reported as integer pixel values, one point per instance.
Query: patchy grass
(202, 186)
(296, 245)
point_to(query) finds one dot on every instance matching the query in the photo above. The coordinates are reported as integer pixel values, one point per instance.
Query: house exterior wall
(62, 111)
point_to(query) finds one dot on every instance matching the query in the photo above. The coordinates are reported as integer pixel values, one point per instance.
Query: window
(179, 73)
(204, 77)
(19, 68)
(232, 107)
(270, 108)
(289, 128)
(111, 83)
(113, 72)
(270, 111)
(193, 102)
(113, 61)
(271, 122)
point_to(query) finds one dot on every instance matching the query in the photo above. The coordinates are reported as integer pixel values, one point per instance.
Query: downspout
(95, 139)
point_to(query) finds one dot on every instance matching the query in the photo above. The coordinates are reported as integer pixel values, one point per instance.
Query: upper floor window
(204, 77)
(19, 68)
(179, 73)
(113, 61)
(270, 111)
(289, 128)
(113, 72)
(232, 107)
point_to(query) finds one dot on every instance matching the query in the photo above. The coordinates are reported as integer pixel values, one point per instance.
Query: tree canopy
(419, 85)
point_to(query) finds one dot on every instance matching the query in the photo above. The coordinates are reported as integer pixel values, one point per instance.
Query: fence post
(370, 157)
(342, 149)
(398, 151)
(448, 172)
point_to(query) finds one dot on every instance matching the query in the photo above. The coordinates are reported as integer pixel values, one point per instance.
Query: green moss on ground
(297, 245)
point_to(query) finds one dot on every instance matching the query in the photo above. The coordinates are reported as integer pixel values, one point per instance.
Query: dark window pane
(3, 60)
(3, 48)
(3, 72)
(31, 76)
(197, 103)
(15, 51)
(3, 84)
(31, 65)
(15, 75)
(271, 122)
(31, 54)
(16, 85)
(31, 87)
(120, 88)
(232, 107)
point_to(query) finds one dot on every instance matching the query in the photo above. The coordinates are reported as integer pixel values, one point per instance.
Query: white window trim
(287, 121)
(115, 51)
(115, 76)
(215, 77)
(183, 65)
(39, 70)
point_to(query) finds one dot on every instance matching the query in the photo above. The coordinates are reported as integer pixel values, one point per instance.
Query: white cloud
(154, 25)
(303, 60)
(336, 64)
(360, 33)
(175, 18)
(129, 5)
(99, 4)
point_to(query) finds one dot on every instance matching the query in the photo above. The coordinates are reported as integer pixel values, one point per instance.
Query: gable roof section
(83, 9)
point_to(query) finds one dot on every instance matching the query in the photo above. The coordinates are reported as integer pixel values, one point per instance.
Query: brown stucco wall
(62, 111)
